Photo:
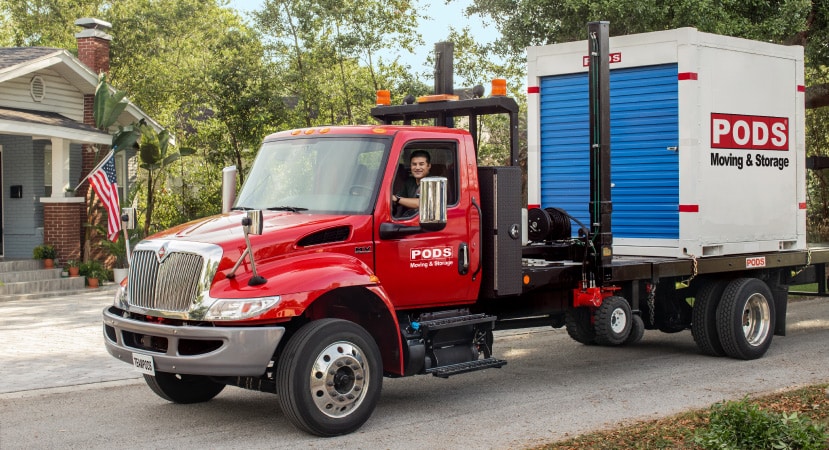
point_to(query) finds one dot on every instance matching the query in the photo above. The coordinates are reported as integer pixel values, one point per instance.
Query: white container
(707, 142)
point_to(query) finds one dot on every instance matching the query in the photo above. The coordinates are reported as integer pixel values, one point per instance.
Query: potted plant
(47, 253)
(94, 272)
(118, 249)
(73, 266)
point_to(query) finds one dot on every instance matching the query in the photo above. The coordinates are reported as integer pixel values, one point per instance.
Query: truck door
(426, 269)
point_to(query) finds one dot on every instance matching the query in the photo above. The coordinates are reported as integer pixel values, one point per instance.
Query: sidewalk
(56, 342)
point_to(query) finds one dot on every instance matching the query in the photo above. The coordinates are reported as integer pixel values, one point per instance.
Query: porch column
(60, 167)
(62, 225)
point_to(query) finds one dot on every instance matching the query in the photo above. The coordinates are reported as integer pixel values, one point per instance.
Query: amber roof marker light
(499, 87)
(383, 97)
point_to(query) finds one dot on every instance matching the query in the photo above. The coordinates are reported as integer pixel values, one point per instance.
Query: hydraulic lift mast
(601, 207)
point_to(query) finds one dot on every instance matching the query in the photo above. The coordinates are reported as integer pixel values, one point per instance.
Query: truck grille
(168, 286)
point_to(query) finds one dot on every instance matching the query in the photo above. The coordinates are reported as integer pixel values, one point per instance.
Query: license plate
(143, 364)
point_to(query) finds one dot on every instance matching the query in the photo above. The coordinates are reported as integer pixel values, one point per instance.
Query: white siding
(61, 97)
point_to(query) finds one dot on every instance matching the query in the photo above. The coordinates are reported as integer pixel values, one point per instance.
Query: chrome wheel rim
(339, 378)
(756, 319)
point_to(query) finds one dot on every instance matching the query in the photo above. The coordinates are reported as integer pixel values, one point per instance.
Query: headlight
(120, 299)
(237, 309)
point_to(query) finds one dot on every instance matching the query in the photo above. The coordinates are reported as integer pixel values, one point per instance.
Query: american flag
(104, 183)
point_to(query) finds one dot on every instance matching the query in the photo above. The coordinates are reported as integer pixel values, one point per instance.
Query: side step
(471, 366)
(454, 321)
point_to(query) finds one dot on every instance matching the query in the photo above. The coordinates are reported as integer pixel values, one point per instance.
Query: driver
(409, 197)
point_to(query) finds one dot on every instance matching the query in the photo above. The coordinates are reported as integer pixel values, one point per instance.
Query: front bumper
(214, 351)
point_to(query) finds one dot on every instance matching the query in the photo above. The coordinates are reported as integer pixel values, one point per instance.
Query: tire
(745, 318)
(637, 330)
(704, 317)
(183, 389)
(579, 324)
(612, 321)
(329, 377)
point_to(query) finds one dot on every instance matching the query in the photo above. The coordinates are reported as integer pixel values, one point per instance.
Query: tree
(244, 100)
(318, 46)
(46, 23)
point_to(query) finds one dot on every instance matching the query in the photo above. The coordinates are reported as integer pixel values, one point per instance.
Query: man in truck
(408, 199)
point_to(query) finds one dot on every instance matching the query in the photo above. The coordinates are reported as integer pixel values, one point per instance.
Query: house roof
(19, 61)
(10, 57)
(53, 123)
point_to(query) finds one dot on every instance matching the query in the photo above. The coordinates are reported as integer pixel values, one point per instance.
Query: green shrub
(45, 251)
(92, 269)
(742, 425)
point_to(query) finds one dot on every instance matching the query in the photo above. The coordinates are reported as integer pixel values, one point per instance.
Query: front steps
(21, 279)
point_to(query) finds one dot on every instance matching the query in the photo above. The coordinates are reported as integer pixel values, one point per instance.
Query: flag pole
(100, 163)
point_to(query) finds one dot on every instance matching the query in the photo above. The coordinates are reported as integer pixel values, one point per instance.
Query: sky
(433, 30)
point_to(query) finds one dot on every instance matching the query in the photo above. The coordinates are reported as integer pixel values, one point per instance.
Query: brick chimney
(93, 44)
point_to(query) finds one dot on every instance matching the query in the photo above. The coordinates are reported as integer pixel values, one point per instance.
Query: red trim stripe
(533, 90)
(801, 205)
(687, 76)
(688, 208)
(801, 88)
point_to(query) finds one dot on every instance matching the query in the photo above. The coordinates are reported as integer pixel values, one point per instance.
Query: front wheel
(745, 318)
(183, 389)
(329, 377)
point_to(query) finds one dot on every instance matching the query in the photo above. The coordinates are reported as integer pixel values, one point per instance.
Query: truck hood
(283, 232)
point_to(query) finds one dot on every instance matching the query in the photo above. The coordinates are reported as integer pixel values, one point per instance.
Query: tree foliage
(325, 54)
(43, 23)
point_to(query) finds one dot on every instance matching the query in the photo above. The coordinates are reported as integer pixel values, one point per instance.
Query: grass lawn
(678, 432)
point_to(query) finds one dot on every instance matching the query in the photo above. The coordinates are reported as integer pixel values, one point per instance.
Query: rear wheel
(183, 388)
(637, 330)
(579, 324)
(745, 318)
(329, 377)
(704, 317)
(613, 321)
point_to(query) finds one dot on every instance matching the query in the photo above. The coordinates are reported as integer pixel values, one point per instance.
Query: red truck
(317, 285)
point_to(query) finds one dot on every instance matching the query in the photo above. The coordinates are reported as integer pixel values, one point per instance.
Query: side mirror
(253, 222)
(128, 218)
(433, 203)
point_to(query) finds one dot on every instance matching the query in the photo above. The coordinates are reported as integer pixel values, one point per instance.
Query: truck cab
(333, 274)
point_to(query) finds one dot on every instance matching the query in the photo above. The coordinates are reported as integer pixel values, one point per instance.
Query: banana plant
(106, 108)
(155, 151)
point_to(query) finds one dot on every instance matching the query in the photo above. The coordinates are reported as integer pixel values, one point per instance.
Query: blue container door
(644, 134)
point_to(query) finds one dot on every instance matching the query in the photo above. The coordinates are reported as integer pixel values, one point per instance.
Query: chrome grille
(169, 286)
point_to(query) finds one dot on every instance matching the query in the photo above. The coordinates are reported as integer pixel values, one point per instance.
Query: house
(48, 141)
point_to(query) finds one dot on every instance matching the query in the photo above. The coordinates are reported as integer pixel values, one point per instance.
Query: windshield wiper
(240, 208)
(287, 208)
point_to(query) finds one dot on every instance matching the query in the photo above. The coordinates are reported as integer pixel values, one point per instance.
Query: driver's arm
(408, 203)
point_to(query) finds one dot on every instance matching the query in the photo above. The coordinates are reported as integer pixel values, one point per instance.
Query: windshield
(332, 174)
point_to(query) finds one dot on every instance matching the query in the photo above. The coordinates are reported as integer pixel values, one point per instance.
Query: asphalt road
(60, 388)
